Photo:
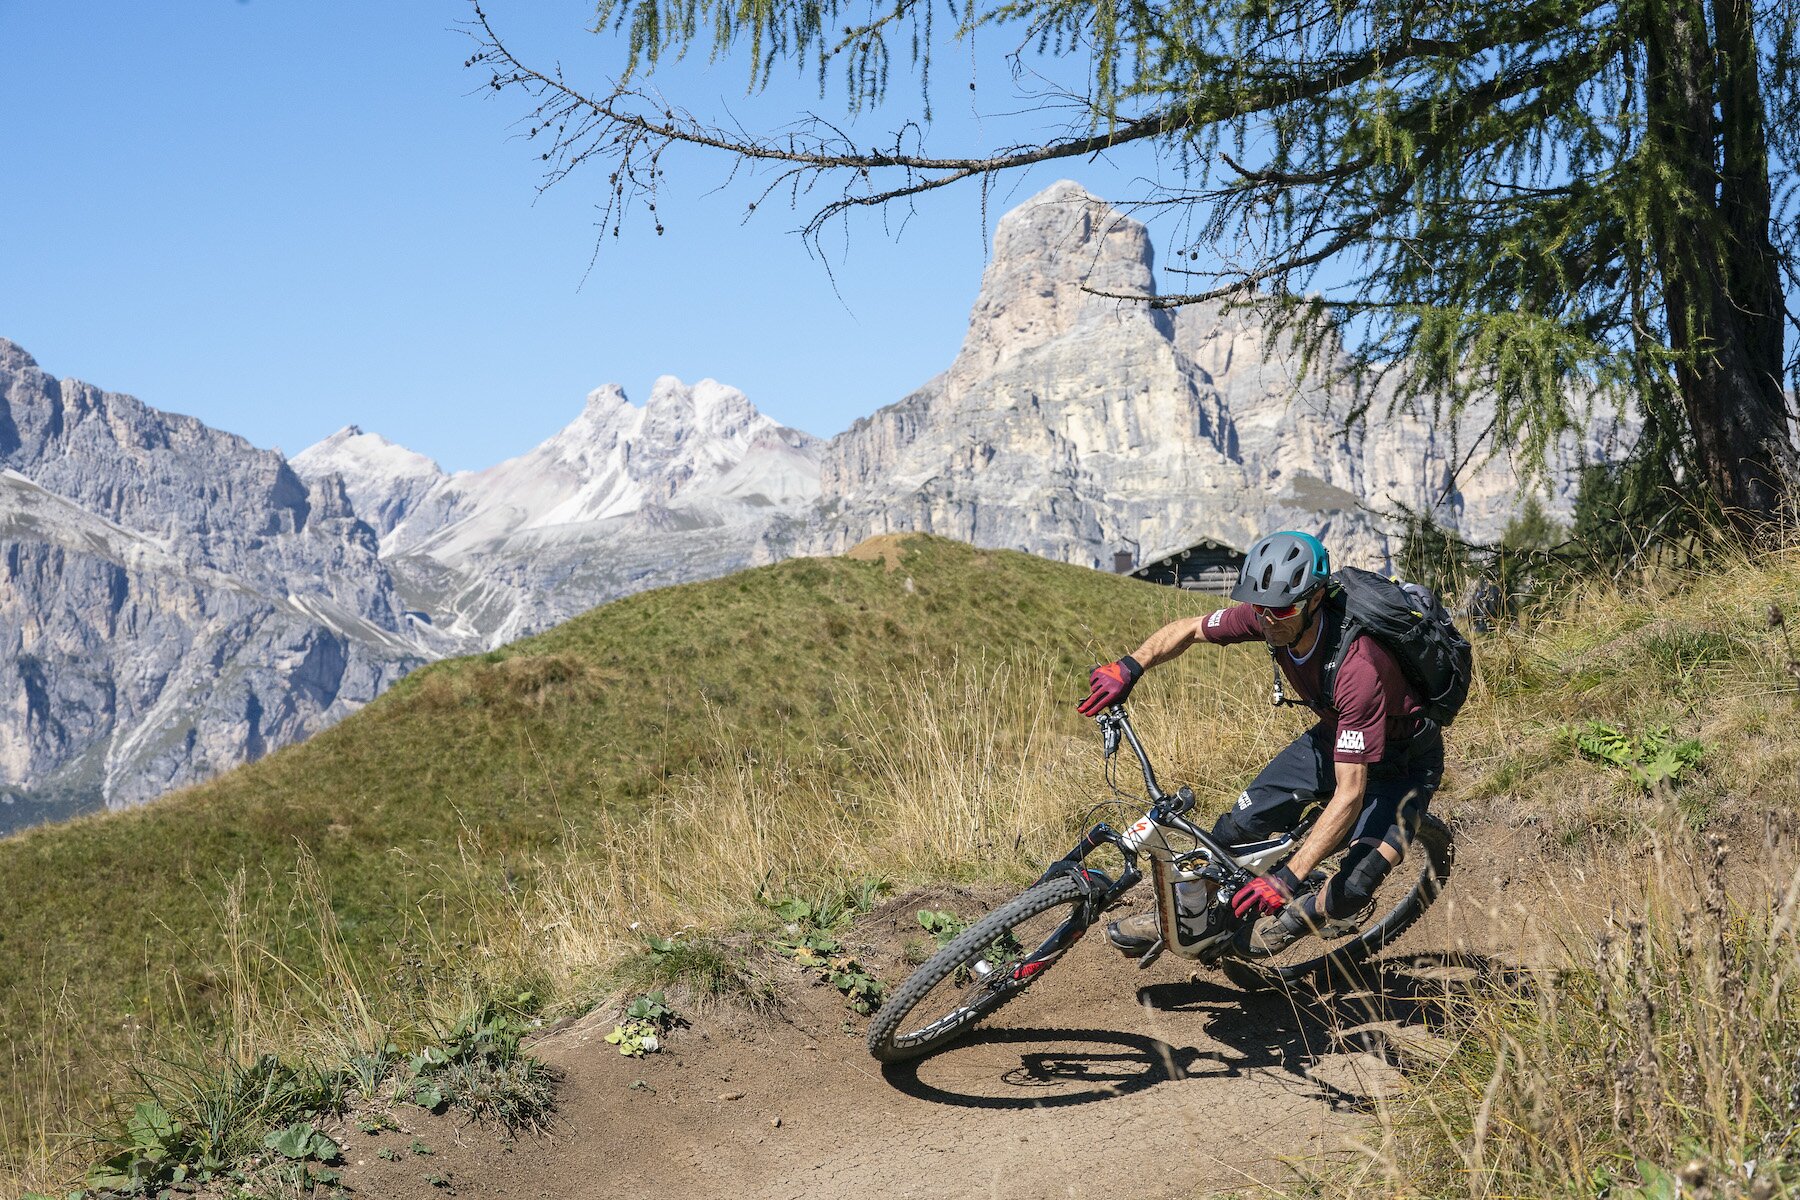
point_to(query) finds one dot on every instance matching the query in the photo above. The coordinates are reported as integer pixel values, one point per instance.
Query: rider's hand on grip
(1109, 685)
(1266, 894)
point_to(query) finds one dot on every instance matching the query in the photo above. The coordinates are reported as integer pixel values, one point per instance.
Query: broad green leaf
(793, 910)
(151, 1125)
(294, 1142)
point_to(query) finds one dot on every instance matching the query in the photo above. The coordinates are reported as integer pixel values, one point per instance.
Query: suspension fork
(1099, 890)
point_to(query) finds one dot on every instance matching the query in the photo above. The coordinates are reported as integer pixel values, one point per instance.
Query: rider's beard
(1287, 632)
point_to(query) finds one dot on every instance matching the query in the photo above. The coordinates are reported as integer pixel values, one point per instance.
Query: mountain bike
(1009, 949)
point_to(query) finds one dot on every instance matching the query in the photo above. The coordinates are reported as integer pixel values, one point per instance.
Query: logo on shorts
(1351, 739)
(1244, 800)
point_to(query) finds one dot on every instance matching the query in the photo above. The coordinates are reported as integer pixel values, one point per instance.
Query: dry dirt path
(1102, 1081)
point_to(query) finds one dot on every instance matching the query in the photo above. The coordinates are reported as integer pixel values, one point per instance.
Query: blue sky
(283, 216)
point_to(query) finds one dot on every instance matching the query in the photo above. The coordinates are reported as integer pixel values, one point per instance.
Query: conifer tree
(1554, 202)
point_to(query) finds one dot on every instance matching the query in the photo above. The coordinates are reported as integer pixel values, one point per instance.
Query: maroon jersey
(1373, 705)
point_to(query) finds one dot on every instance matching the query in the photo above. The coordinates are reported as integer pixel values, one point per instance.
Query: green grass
(664, 768)
(703, 966)
(444, 797)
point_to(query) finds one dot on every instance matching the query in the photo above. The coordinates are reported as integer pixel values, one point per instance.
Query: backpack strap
(1334, 638)
(1349, 629)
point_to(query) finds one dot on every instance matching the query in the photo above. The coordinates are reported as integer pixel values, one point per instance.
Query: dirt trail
(1102, 1081)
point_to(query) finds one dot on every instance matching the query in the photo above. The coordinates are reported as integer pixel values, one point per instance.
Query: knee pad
(1354, 884)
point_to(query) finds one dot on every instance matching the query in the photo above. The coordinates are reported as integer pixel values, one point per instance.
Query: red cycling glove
(1266, 894)
(1111, 684)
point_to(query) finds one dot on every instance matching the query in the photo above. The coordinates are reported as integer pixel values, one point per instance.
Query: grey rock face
(173, 602)
(1072, 424)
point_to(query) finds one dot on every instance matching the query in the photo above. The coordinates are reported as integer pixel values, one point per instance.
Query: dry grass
(1663, 1047)
(944, 769)
(951, 775)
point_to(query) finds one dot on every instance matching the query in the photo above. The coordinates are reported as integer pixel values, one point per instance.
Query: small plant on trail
(155, 1151)
(810, 949)
(367, 1070)
(1653, 758)
(705, 966)
(199, 1118)
(645, 1023)
(861, 990)
(941, 925)
(481, 1068)
(946, 927)
(307, 1154)
(809, 939)
(830, 911)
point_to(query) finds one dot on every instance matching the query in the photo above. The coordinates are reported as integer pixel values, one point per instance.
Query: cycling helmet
(1282, 569)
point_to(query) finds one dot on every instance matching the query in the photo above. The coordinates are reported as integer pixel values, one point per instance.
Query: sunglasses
(1284, 612)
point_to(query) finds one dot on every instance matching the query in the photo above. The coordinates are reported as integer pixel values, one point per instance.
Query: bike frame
(1208, 863)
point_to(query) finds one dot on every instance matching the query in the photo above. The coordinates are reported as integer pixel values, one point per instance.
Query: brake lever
(1110, 738)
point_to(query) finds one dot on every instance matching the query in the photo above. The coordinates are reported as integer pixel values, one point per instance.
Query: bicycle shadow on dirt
(1022, 1067)
(1284, 1030)
(1392, 1009)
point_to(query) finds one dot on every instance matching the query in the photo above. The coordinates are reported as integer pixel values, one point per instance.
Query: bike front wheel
(980, 969)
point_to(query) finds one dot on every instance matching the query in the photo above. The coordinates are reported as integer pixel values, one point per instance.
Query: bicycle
(1005, 952)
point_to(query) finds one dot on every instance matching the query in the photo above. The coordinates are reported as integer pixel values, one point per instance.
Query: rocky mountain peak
(14, 358)
(709, 409)
(384, 481)
(1050, 255)
(605, 400)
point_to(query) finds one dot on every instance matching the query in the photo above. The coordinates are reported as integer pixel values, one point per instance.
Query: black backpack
(1408, 620)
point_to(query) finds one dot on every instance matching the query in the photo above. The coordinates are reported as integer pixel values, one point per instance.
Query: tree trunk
(1721, 283)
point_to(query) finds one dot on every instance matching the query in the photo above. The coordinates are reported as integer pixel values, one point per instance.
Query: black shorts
(1305, 774)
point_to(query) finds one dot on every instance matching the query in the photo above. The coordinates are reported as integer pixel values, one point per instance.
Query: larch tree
(1550, 202)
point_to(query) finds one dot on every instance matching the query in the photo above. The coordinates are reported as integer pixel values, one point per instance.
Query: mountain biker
(1372, 756)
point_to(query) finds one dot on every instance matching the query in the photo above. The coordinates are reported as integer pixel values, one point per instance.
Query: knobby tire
(889, 1044)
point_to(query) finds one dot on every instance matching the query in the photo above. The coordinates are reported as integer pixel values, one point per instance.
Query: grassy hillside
(442, 800)
(524, 819)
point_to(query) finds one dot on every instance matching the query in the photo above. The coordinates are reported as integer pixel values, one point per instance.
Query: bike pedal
(1153, 953)
(1343, 927)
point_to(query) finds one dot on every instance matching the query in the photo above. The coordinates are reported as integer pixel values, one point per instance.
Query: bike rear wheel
(1401, 900)
(972, 976)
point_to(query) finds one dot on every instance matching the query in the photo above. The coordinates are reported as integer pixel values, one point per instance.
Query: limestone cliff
(1072, 424)
(173, 601)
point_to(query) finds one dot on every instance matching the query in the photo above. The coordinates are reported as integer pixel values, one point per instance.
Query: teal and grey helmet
(1282, 569)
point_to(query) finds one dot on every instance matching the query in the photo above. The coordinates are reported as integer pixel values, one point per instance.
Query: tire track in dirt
(1100, 1081)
